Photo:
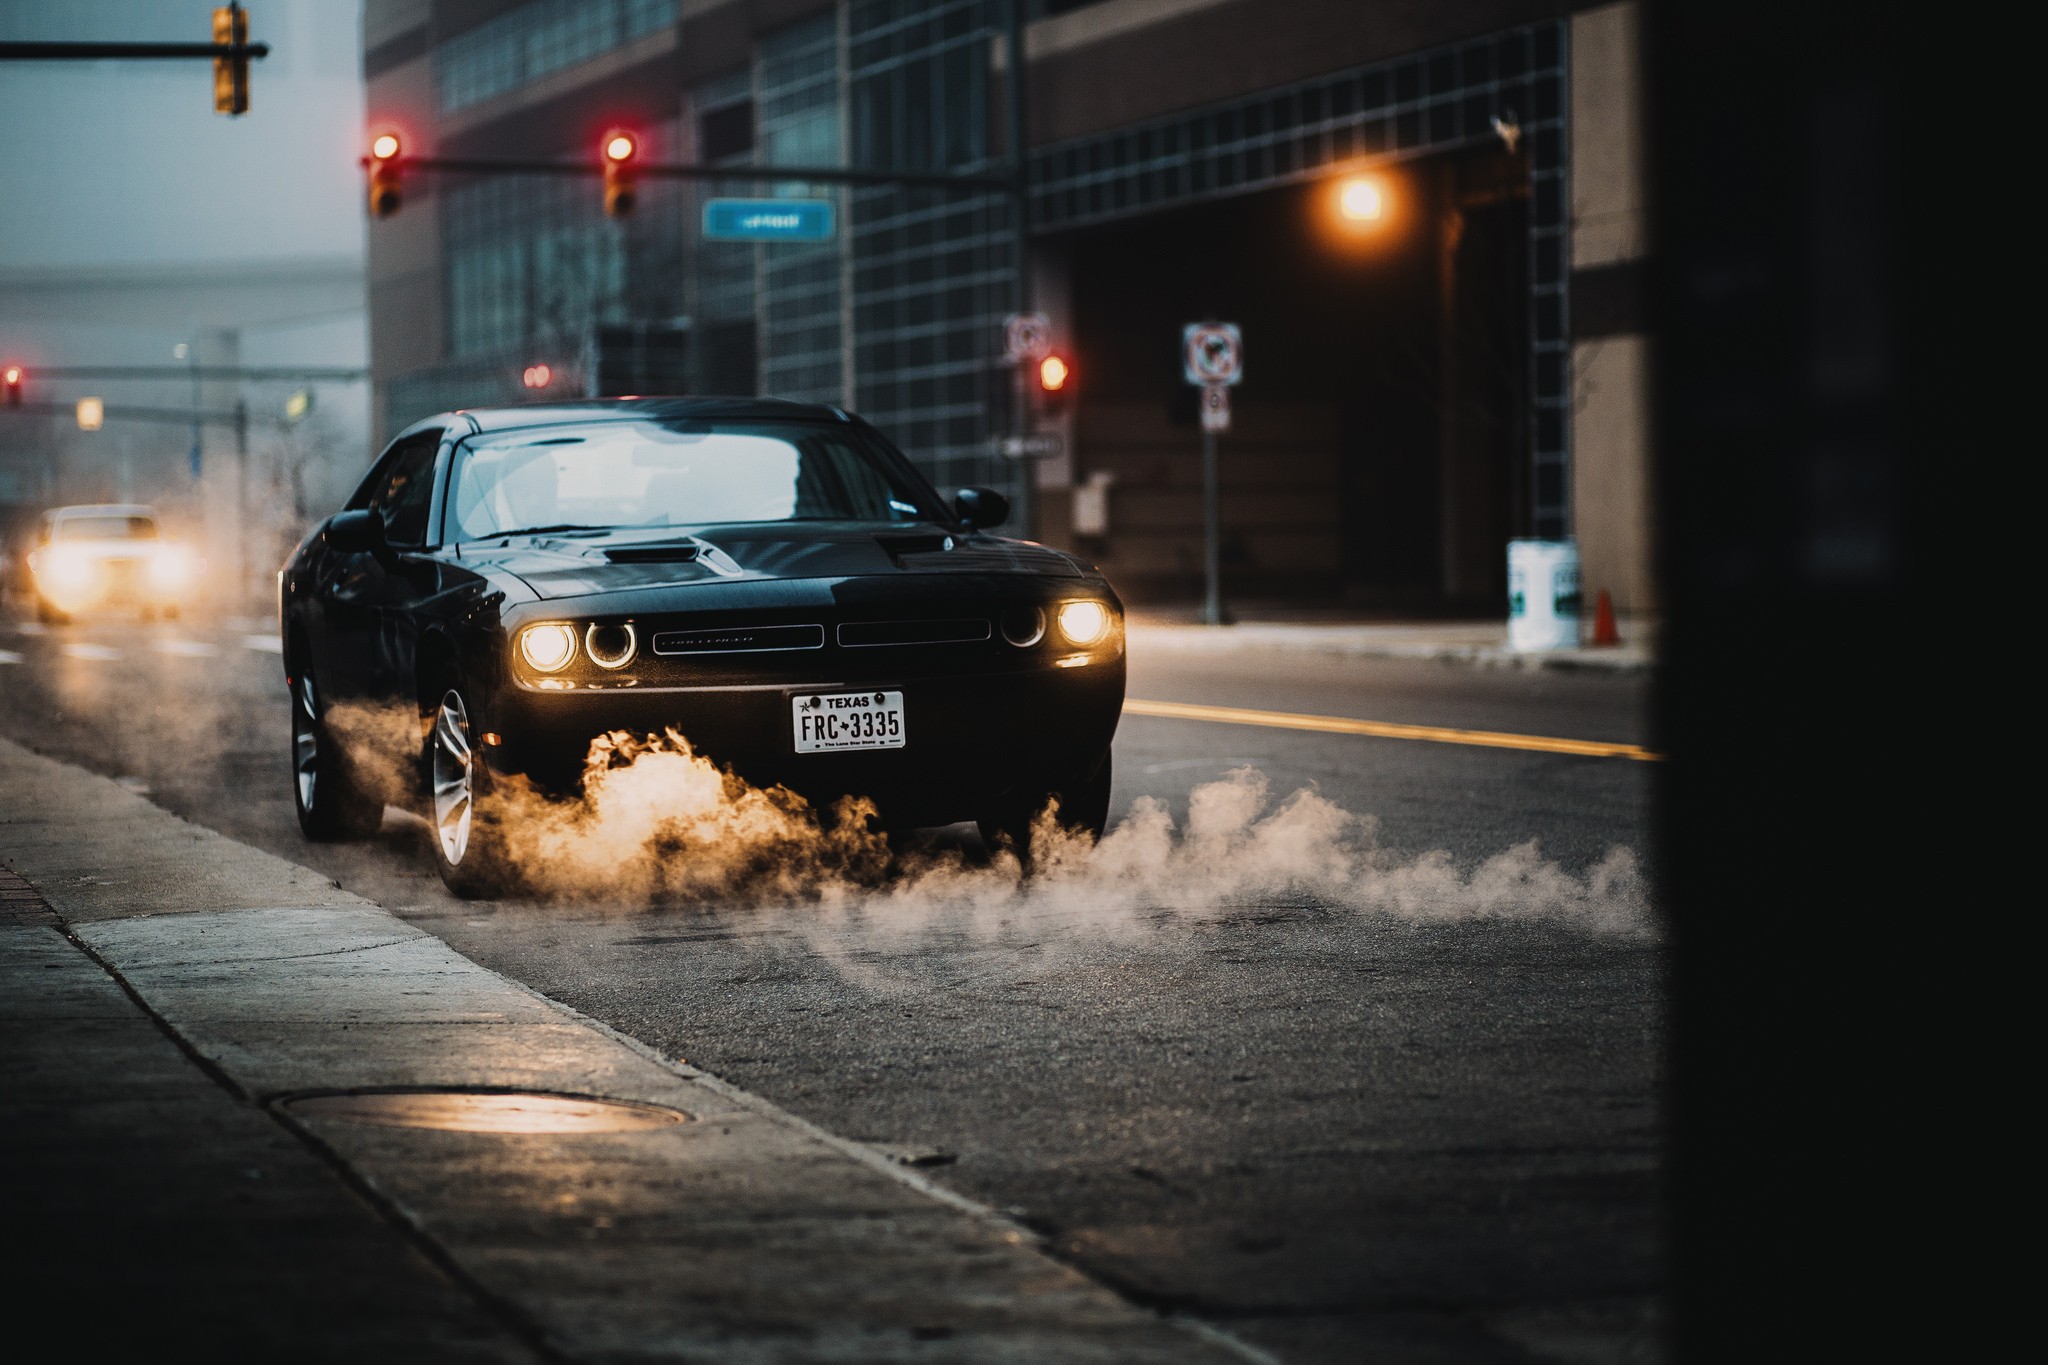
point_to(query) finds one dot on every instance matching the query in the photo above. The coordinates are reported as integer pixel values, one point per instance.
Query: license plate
(830, 721)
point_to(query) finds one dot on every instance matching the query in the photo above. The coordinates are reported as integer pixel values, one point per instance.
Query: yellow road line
(1345, 725)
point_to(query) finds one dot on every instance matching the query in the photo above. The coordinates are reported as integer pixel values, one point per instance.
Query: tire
(467, 836)
(330, 803)
(1084, 809)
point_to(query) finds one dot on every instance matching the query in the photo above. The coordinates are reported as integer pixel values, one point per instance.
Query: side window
(404, 490)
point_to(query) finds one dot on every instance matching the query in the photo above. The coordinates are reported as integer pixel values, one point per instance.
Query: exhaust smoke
(656, 821)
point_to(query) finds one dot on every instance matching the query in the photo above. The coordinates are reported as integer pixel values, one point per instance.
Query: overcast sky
(118, 163)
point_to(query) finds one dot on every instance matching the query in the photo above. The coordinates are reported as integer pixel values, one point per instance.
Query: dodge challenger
(773, 580)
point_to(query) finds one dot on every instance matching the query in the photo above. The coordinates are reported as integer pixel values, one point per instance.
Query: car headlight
(1084, 623)
(610, 646)
(171, 567)
(64, 567)
(548, 647)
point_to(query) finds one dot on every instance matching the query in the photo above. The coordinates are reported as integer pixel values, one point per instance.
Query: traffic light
(10, 380)
(1055, 382)
(621, 173)
(384, 192)
(231, 74)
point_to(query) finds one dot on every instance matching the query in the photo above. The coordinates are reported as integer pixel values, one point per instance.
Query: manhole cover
(476, 1111)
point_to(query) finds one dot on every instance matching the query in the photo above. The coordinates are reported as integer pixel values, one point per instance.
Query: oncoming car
(107, 555)
(773, 580)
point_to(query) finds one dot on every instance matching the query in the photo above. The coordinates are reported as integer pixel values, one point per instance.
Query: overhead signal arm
(230, 52)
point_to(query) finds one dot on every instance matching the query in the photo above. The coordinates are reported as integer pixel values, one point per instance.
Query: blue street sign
(768, 220)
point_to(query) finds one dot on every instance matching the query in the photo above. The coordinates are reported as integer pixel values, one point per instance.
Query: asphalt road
(1339, 1130)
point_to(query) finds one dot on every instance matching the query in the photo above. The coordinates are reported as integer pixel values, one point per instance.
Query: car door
(367, 596)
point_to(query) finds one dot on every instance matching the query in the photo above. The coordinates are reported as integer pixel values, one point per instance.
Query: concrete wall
(1611, 493)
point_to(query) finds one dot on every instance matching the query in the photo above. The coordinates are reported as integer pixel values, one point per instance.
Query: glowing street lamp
(1362, 199)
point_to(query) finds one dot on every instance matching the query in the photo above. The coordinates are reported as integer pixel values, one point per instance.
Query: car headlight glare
(1084, 623)
(548, 647)
(610, 646)
(171, 567)
(65, 567)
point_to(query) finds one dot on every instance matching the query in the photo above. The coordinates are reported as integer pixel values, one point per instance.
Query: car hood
(580, 563)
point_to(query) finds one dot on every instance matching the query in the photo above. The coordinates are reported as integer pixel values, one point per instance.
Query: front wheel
(469, 850)
(330, 804)
(1083, 809)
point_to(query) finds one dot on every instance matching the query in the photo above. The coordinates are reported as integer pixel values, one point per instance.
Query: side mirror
(357, 532)
(980, 508)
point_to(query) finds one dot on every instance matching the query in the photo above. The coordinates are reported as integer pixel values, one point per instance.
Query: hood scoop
(674, 553)
(898, 546)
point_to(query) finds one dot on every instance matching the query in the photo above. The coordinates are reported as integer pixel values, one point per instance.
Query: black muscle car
(773, 580)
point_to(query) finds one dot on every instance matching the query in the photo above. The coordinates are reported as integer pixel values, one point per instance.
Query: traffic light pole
(1020, 250)
(100, 52)
(684, 170)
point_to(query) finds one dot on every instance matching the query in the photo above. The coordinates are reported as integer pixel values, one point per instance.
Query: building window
(796, 91)
(535, 40)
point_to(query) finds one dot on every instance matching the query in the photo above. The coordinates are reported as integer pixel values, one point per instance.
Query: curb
(1353, 643)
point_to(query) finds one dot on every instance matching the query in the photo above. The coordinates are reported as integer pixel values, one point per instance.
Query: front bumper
(972, 740)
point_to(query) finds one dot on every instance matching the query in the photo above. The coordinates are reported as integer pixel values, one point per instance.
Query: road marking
(8, 656)
(263, 644)
(100, 654)
(32, 628)
(190, 649)
(1380, 729)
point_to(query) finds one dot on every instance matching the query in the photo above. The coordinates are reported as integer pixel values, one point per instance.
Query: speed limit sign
(1212, 353)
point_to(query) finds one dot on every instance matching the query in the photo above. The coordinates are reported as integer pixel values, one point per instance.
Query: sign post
(1027, 339)
(1212, 356)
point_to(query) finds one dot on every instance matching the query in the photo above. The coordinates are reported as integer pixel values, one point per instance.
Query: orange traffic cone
(1604, 632)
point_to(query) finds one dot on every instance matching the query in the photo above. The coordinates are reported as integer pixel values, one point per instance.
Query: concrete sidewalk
(1484, 643)
(171, 1000)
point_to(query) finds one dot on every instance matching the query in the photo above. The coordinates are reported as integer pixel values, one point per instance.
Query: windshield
(683, 473)
(106, 528)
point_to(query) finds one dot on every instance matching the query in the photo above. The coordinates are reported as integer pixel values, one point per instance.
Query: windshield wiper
(544, 530)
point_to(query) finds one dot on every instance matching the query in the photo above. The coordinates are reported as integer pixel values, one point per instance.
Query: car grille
(868, 634)
(739, 639)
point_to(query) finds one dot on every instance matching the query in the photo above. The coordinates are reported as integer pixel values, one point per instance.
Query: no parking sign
(1212, 353)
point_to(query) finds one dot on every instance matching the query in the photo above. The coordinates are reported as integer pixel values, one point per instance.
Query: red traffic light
(385, 194)
(1053, 373)
(12, 375)
(621, 178)
(537, 376)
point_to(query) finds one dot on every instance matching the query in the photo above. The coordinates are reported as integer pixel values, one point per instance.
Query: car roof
(104, 509)
(518, 415)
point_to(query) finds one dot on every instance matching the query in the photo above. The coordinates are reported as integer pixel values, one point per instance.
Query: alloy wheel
(306, 740)
(454, 778)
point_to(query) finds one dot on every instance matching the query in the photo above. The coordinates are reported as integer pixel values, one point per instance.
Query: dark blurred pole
(1813, 837)
(1020, 250)
(241, 518)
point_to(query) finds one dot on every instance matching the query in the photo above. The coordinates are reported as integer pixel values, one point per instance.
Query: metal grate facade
(1413, 106)
(798, 123)
(932, 269)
